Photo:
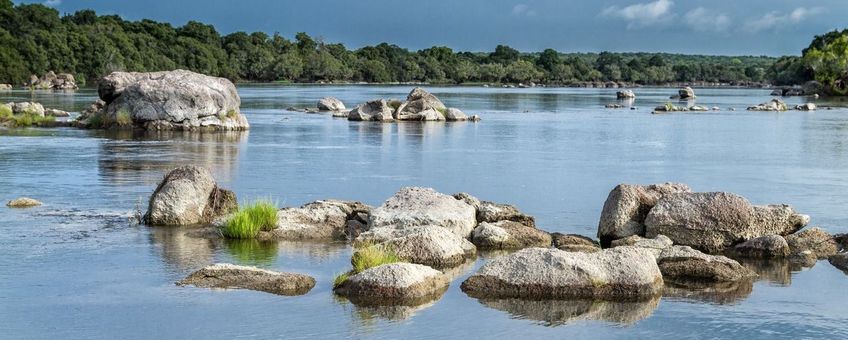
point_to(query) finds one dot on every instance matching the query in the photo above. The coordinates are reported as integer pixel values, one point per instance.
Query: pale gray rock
(375, 110)
(395, 283)
(23, 202)
(28, 108)
(421, 105)
(623, 273)
(432, 246)
(625, 94)
(224, 275)
(319, 220)
(56, 113)
(455, 115)
(627, 206)
(331, 104)
(188, 195)
(5, 87)
(171, 100)
(508, 235)
(715, 221)
(414, 206)
(684, 264)
(806, 107)
(656, 245)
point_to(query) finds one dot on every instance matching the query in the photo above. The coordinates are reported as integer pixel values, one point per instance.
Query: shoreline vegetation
(36, 39)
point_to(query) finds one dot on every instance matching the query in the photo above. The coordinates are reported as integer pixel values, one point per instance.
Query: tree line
(35, 39)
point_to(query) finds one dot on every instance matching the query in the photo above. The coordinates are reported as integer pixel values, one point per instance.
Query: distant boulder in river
(331, 104)
(420, 105)
(169, 100)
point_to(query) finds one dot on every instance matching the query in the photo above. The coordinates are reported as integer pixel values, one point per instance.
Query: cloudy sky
(746, 27)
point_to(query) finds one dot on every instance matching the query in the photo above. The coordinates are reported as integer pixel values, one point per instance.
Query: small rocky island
(419, 105)
(654, 240)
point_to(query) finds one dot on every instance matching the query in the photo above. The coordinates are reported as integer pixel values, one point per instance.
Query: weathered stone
(5, 87)
(26, 108)
(455, 115)
(23, 202)
(496, 212)
(839, 261)
(432, 246)
(413, 206)
(714, 221)
(188, 195)
(421, 105)
(627, 206)
(575, 243)
(763, 247)
(331, 104)
(625, 94)
(622, 273)
(684, 264)
(375, 110)
(816, 240)
(656, 245)
(508, 235)
(169, 100)
(395, 283)
(319, 220)
(223, 275)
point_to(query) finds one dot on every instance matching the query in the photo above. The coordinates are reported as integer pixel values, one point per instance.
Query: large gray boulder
(168, 100)
(415, 207)
(455, 115)
(374, 110)
(396, 283)
(509, 235)
(715, 221)
(432, 246)
(331, 104)
(188, 195)
(536, 273)
(422, 106)
(627, 206)
(319, 220)
(224, 275)
(819, 242)
(684, 264)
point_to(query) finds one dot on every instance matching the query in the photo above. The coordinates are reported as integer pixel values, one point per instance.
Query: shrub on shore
(248, 221)
(368, 256)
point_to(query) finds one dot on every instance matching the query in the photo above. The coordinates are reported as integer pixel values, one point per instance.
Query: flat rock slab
(683, 264)
(223, 275)
(395, 283)
(623, 273)
(509, 235)
(23, 202)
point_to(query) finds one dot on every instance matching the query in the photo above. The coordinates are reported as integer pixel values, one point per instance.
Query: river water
(77, 267)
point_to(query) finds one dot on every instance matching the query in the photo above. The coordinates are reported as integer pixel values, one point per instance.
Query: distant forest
(34, 39)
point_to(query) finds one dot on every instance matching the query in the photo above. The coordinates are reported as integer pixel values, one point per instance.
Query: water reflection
(180, 250)
(561, 312)
(775, 271)
(253, 252)
(718, 293)
(127, 154)
(368, 310)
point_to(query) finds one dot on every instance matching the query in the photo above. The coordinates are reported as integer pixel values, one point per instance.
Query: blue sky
(742, 27)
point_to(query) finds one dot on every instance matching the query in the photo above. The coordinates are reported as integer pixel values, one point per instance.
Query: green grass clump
(24, 120)
(248, 221)
(369, 256)
(5, 112)
(123, 118)
(442, 111)
(252, 252)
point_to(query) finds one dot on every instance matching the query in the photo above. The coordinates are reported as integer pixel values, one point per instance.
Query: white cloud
(523, 10)
(642, 14)
(704, 20)
(52, 3)
(775, 20)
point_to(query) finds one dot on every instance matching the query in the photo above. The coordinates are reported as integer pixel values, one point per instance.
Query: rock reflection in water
(560, 312)
(253, 252)
(369, 310)
(718, 293)
(127, 153)
(181, 250)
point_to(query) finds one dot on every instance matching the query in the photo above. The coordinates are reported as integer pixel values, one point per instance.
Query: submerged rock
(188, 195)
(23, 202)
(168, 100)
(319, 220)
(624, 273)
(763, 247)
(508, 235)
(414, 207)
(628, 205)
(815, 240)
(432, 246)
(575, 243)
(684, 264)
(375, 110)
(331, 104)
(395, 283)
(223, 275)
(715, 221)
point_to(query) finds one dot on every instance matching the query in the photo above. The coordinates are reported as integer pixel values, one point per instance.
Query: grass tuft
(123, 118)
(5, 112)
(248, 221)
(341, 278)
(366, 257)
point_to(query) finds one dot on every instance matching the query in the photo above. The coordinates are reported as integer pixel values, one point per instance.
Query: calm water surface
(76, 268)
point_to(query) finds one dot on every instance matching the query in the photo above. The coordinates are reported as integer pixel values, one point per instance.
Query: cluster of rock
(652, 238)
(668, 107)
(169, 100)
(224, 275)
(35, 109)
(777, 104)
(52, 81)
(420, 105)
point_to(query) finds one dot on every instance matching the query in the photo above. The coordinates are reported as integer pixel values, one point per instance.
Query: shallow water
(78, 268)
